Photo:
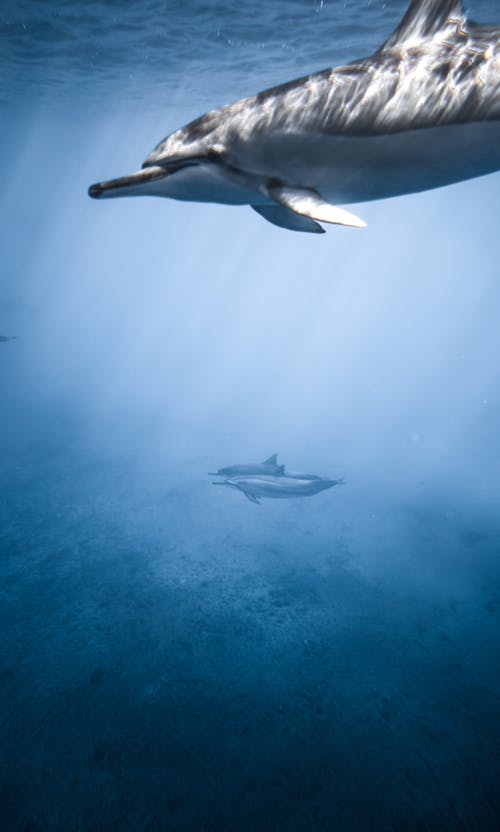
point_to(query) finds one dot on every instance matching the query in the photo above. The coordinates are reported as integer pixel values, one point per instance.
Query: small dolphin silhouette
(254, 488)
(4, 338)
(422, 112)
(269, 466)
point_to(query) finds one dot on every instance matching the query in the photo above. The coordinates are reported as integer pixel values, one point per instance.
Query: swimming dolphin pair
(268, 479)
(422, 112)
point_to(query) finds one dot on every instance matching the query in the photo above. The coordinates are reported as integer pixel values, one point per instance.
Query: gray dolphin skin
(299, 475)
(269, 466)
(254, 488)
(422, 112)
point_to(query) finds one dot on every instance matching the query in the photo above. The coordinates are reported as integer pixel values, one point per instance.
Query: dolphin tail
(140, 183)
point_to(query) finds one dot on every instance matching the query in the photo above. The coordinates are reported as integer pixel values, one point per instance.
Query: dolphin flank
(278, 487)
(422, 112)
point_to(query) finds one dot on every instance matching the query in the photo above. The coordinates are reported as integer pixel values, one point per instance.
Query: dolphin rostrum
(268, 467)
(422, 112)
(278, 487)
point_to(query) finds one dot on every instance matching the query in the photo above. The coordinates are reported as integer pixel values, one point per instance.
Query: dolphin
(4, 338)
(268, 467)
(420, 113)
(278, 487)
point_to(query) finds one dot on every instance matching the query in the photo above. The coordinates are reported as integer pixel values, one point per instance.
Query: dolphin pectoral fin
(281, 216)
(308, 203)
(251, 498)
(246, 493)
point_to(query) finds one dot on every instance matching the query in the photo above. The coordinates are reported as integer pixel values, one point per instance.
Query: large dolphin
(278, 487)
(422, 112)
(268, 467)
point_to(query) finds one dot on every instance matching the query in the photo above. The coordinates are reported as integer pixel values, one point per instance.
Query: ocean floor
(174, 657)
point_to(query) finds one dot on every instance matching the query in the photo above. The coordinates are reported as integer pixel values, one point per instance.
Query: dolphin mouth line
(148, 173)
(151, 174)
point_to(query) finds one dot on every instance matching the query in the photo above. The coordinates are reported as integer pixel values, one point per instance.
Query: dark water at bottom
(174, 658)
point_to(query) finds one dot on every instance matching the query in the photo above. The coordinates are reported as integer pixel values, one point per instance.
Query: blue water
(172, 656)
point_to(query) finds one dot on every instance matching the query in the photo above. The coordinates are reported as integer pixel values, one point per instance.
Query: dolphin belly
(345, 168)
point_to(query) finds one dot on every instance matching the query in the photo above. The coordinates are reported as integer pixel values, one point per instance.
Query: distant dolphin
(269, 466)
(278, 487)
(422, 112)
(7, 338)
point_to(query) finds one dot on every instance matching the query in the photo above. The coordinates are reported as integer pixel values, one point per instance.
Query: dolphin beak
(135, 183)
